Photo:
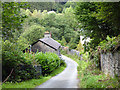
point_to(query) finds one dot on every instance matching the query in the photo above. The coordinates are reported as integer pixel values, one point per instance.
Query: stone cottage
(46, 44)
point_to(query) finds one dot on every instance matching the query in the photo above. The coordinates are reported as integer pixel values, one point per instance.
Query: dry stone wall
(110, 63)
(72, 51)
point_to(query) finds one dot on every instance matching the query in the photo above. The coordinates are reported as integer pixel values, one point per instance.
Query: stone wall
(110, 63)
(42, 47)
(72, 51)
(38, 70)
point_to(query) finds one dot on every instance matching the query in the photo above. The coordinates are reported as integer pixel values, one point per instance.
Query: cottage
(46, 44)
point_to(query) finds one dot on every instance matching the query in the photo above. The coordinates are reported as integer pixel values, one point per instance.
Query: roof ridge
(48, 41)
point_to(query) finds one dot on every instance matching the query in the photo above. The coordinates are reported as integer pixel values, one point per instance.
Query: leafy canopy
(97, 20)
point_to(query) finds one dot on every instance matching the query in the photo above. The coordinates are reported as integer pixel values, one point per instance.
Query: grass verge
(74, 57)
(33, 82)
(0, 86)
(91, 77)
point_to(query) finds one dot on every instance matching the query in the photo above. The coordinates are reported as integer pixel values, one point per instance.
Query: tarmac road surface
(66, 79)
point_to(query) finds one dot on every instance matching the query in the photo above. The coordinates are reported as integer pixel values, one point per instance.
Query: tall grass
(92, 77)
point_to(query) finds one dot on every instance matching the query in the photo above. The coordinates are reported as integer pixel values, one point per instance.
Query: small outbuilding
(46, 44)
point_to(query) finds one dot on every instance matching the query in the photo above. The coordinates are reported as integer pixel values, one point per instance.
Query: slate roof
(51, 42)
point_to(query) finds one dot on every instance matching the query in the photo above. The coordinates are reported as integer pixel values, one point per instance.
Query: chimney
(47, 35)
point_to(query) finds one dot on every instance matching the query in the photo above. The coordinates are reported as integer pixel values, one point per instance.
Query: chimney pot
(47, 34)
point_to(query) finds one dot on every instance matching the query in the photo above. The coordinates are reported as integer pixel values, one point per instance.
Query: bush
(48, 62)
(13, 58)
(110, 44)
(23, 64)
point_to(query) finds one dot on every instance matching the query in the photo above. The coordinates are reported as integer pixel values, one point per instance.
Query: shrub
(22, 64)
(110, 44)
(48, 61)
(13, 58)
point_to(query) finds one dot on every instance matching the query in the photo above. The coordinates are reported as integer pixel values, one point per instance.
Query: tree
(49, 20)
(11, 19)
(63, 41)
(72, 44)
(68, 4)
(54, 32)
(12, 43)
(49, 6)
(109, 13)
(59, 24)
(70, 17)
(90, 25)
(33, 33)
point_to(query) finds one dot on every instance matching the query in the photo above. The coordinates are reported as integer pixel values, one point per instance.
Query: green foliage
(49, 20)
(91, 77)
(88, 24)
(70, 17)
(68, 4)
(79, 46)
(49, 6)
(63, 41)
(96, 20)
(30, 58)
(23, 64)
(13, 43)
(59, 24)
(22, 43)
(109, 13)
(18, 33)
(54, 32)
(72, 44)
(11, 19)
(64, 52)
(111, 44)
(74, 57)
(95, 57)
(33, 82)
(13, 58)
(48, 62)
(10, 52)
(33, 33)
(100, 22)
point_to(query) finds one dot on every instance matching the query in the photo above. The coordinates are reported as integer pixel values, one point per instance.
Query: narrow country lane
(66, 79)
